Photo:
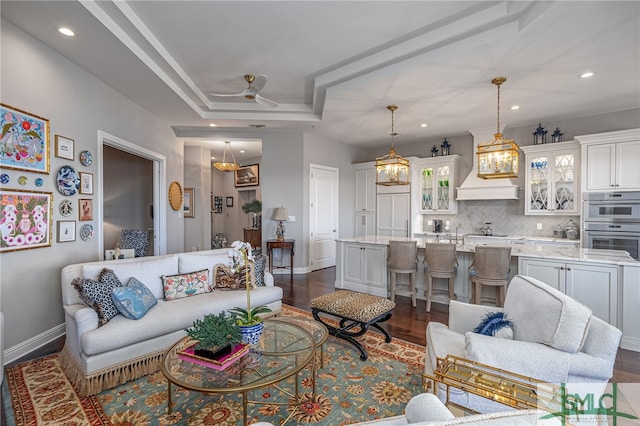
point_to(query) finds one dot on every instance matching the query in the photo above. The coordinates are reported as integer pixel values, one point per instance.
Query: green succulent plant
(215, 331)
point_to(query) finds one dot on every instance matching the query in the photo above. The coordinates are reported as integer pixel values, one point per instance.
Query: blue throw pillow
(495, 324)
(134, 300)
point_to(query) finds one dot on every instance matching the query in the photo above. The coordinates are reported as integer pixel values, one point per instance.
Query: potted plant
(254, 207)
(216, 335)
(250, 323)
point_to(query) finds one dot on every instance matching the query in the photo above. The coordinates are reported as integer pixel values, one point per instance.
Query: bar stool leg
(412, 286)
(393, 287)
(452, 294)
(428, 291)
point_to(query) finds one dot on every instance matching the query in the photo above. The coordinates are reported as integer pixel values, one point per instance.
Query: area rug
(348, 390)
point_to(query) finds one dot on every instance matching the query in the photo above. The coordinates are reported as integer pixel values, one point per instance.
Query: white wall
(197, 175)
(39, 80)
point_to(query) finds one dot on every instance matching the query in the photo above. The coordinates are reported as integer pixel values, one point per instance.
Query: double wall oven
(612, 221)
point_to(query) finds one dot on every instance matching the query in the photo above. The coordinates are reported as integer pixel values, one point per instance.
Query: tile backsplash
(506, 217)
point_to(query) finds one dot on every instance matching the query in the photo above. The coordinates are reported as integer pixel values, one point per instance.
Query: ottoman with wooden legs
(356, 312)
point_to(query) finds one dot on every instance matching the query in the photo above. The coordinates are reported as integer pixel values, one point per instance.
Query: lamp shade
(280, 213)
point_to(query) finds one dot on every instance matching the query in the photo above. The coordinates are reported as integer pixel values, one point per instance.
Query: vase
(251, 333)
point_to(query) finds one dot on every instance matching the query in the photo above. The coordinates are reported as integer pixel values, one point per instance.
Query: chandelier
(223, 165)
(498, 158)
(392, 169)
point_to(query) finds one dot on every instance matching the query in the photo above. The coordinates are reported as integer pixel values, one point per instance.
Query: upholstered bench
(356, 311)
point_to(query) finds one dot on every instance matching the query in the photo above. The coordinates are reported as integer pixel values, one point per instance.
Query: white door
(323, 224)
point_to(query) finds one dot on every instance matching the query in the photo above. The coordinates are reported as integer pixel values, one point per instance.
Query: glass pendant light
(392, 169)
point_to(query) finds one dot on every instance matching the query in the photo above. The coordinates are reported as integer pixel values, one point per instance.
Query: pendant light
(223, 165)
(392, 169)
(499, 157)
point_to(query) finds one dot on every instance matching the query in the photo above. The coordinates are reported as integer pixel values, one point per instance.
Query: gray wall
(197, 175)
(39, 80)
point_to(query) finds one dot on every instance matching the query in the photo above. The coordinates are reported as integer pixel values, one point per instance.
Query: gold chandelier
(223, 165)
(498, 158)
(392, 169)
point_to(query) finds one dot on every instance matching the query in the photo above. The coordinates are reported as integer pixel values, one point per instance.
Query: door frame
(159, 188)
(313, 167)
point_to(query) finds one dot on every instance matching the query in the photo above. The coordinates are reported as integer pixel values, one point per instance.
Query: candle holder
(444, 148)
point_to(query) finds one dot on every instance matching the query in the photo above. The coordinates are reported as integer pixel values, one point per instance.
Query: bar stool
(441, 262)
(403, 259)
(490, 267)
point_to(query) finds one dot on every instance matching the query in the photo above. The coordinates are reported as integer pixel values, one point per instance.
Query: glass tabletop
(283, 350)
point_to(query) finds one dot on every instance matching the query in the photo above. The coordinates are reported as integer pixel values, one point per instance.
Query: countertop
(614, 257)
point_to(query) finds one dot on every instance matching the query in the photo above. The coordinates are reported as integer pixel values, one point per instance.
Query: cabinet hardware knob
(568, 269)
(562, 268)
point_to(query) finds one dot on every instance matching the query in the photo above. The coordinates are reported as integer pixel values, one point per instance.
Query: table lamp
(280, 214)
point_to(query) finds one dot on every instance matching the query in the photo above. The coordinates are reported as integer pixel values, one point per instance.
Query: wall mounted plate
(65, 207)
(39, 182)
(22, 180)
(86, 232)
(4, 178)
(175, 195)
(86, 158)
(68, 180)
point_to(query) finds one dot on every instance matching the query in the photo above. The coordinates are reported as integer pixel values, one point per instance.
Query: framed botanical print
(24, 140)
(26, 219)
(187, 206)
(86, 209)
(66, 231)
(86, 183)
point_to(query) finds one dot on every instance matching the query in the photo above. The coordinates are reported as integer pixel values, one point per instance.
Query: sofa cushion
(259, 268)
(224, 278)
(185, 285)
(146, 269)
(542, 314)
(97, 294)
(134, 300)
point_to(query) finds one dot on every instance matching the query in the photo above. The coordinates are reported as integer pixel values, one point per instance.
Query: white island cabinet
(594, 285)
(362, 267)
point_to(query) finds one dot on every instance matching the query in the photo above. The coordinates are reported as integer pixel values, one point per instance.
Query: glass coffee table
(283, 350)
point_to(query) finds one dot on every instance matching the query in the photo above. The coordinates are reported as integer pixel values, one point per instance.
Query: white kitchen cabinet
(365, 187)
(611, 160)
(392, 215)
(365, 224)
(552, 179)
(436, 179)
(363, 267)
(593, 285)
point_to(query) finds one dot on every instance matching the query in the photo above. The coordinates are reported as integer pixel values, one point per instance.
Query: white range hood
(475, 188)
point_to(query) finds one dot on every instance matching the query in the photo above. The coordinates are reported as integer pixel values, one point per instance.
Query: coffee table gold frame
(502, 386)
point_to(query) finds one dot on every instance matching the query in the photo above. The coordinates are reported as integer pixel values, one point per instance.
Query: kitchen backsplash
(506, 216)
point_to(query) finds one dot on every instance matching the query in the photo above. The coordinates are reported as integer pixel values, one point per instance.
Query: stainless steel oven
(612, 221)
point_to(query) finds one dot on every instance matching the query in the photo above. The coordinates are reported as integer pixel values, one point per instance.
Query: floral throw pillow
(134, 300)
(185, 285)
(97, 294)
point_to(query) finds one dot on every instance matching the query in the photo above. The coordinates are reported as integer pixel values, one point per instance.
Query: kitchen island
(608, 281)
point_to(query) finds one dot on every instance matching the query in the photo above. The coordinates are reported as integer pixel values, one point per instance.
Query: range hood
(475, 188)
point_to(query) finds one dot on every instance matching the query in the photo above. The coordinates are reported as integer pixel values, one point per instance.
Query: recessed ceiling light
(423, 125)
(515, 107)
(587, 74)
(213, 125)
(213, 158)
(242, 151)
(66, 31)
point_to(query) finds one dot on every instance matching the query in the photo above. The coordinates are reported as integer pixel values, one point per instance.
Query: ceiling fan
(256, 83)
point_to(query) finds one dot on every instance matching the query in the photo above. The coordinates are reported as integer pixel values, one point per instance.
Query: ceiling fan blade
(266, 102)
(259, 82)
(225, 95)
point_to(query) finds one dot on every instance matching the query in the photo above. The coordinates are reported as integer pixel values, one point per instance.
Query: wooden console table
(282, 245)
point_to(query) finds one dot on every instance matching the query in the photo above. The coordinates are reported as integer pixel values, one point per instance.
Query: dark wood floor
(407, 323)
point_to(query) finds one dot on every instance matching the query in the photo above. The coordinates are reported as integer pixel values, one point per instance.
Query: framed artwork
(187, 206)
(26, 219)
(247, 176)
(217, 204)
(64, 147)
(86, 183)
(66, 231)
(86, 209)
(229, 201)
(24, 140)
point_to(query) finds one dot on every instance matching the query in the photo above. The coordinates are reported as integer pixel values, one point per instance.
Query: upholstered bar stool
(403, 259)
(490, 267)
(440, 262)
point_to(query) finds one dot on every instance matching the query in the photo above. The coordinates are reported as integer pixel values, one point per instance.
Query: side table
(282, 245)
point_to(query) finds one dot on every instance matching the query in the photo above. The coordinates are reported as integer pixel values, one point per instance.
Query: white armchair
(555, 339)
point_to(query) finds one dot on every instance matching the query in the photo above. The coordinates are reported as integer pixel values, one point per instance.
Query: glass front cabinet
(436, 182)
(552, 179)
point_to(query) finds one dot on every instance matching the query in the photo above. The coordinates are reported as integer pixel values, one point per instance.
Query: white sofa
(96, 358)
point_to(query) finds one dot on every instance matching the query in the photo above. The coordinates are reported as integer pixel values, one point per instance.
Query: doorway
(323, 223)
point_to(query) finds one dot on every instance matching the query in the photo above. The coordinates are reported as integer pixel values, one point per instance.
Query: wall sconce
(445, 147)
(280, 214)
(540, 135)
(556, 136)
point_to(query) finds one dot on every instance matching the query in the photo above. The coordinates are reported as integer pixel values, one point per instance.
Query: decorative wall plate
(39, 182)
(22, 180)
(65, 207)
(4, 178)
(175, 195)
(86, 158)
(86, 232)
(68, 180)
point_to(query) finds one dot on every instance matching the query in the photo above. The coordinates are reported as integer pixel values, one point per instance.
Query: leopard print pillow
(225, 279)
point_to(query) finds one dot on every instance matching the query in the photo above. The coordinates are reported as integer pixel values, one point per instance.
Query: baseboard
(630, 343)
(296, 270)
(18, 351)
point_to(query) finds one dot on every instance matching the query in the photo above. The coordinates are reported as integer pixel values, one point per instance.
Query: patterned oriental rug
(348, 390)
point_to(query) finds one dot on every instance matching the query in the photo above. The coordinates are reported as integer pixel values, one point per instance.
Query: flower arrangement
(247, 316)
